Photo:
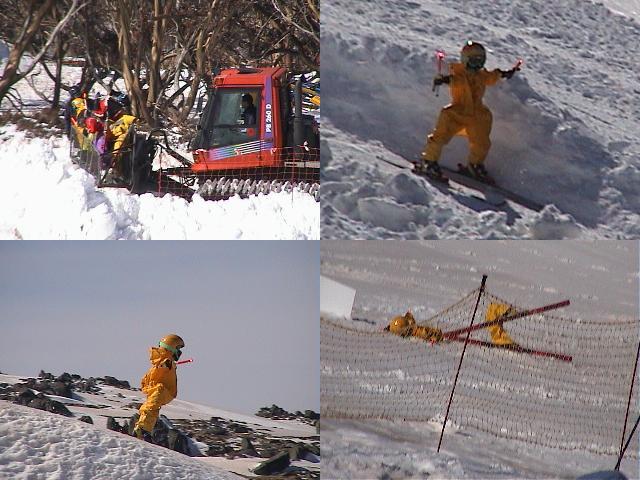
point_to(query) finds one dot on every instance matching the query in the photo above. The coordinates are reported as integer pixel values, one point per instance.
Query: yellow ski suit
(160, 384)
(466, 115)
(498, 334)
(118, 131)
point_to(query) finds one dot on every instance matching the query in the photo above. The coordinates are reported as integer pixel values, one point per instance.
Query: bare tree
(30, 28)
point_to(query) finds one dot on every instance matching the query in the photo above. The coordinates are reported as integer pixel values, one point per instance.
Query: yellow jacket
(162, 372)
(467, 87)
(118, 130)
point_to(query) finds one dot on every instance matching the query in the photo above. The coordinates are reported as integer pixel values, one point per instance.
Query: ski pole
(188, 360)
(440, 60)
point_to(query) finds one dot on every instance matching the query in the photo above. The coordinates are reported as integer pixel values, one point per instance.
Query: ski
(442, 180)
(516, 348)
(468, 180)
(508, 318)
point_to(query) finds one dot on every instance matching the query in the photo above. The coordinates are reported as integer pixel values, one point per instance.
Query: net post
(626, 416)
(466, 341)
(627, 444)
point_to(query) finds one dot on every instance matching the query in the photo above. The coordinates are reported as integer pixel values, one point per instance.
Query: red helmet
(473, 55)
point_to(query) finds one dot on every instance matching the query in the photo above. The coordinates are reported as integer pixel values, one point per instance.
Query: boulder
(61, 389)
(41, 402)
(247, 448)
(114, 382)
(275, 464)
(86, 419)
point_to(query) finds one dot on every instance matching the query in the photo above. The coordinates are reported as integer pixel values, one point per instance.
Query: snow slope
(600, 279)
(42, 445)
(564, 134)
(46, 196)
(119, 403)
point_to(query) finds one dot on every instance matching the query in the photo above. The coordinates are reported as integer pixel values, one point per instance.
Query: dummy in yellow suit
(466, 115)
(160, 383)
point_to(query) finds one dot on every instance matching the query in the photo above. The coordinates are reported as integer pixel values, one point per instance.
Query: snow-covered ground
(373, 380)
(42, 445)
(47, 196)
(36, 444)
(565, 131)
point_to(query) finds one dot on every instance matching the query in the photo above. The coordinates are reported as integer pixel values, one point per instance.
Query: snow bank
(35, 444)
(43, 195)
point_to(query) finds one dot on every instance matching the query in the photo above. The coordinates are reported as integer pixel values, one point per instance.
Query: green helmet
(473, 55)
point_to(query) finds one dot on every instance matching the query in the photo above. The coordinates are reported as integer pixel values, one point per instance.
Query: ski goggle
(476, 62)
(176, 351)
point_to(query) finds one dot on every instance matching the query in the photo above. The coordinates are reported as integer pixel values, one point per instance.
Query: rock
(275, 412)
(165, 435)
(25, 395)
(86, 419)
(311, 415)
(112, 424)
(114, 382)
(216, 430)
(43, 403)
(65, 378)
(177, 441)
(217, 450)
(236, 427)
(315, 449)
(45, 375)
(275, 464)
(296, 453)
(302, 452)
(247, 448)
(61, 389)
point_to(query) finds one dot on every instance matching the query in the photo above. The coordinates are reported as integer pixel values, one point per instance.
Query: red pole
(455, 380)
(188, 360)
(517, 348)
(508, 318)
(626, 416)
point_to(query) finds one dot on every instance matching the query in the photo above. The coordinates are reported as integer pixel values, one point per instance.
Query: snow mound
(45, 195)
(36, 444)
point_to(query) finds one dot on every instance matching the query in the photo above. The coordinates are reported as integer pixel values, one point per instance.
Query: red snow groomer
(253, 137)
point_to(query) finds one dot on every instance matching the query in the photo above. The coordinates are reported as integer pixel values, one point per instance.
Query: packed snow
(36, 444)
(600, 279)
(47, 196)
(564, 134)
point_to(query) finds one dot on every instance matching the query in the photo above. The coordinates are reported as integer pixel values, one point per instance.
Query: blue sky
(248, 312)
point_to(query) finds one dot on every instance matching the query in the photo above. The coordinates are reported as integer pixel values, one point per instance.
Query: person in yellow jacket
(160, 383)
(466, 114)
(118, 127)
